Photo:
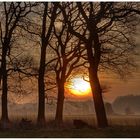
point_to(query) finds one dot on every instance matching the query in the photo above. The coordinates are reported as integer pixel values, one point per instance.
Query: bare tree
(67, 58)
(45, 38)
(41, 34)
(12, 15)
(98, 19)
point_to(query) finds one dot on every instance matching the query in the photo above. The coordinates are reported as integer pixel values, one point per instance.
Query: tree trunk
(45, 36)
(94, 81)
(41, 84)
(98, 100)
(41, 89)
(4, 117)
(60, 103)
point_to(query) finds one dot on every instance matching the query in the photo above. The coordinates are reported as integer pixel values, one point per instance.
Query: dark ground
(121, 126)
(111, 132)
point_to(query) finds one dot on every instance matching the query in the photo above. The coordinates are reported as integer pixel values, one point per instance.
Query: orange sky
(118, 86)
(131, 85)
(121, 88)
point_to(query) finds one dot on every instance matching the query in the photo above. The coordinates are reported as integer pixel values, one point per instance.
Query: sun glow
(79, 87)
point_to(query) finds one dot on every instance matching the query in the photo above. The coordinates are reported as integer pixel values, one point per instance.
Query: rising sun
(79, 87)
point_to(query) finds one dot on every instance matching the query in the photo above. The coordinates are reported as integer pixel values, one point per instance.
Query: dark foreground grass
(111, 132)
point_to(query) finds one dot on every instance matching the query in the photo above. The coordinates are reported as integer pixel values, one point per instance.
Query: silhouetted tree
(41, 34)
(98, 19)
(49, 11)
(67, 53)
(12, 15)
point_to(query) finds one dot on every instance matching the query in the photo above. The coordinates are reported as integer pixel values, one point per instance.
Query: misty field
(120, 126)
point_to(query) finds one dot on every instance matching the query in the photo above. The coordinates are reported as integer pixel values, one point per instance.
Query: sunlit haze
(79, 86)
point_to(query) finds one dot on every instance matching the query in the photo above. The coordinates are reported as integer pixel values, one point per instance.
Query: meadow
(120, 126)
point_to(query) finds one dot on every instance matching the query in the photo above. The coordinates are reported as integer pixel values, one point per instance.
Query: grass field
(111, 132)
(120, 127)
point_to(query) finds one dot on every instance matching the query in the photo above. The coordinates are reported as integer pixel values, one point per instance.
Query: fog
(122, 105)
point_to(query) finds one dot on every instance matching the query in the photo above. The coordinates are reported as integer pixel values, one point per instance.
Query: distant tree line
(128, 104)
(96, 36)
